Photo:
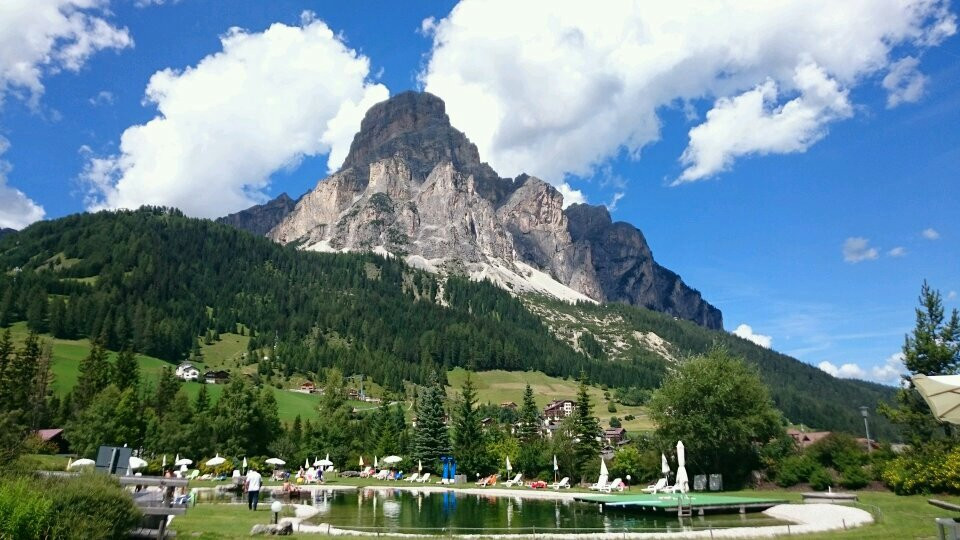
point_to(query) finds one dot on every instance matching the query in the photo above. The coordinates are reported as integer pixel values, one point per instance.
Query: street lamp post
(866, 426)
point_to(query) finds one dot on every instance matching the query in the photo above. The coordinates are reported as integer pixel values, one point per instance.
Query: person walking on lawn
(252, 486)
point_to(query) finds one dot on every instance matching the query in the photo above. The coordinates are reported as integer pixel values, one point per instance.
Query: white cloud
(952, 295)
(846, 371)
(754, 123)
(904, 83)
(560, 87)
(265, 102)
(103, 97)
(930, 234)
(746, 332)
(857, 249)
(891, 370)
(612, 205)
(17, 210)
(570, 195)
(898, 251)
(38, 37)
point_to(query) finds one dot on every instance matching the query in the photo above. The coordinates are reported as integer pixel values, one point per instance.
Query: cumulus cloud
(263, 103)
(754, 123)
(898, 251)
(904, 83)
(38, 37)
(560, 87)
(930, 234)
(952, 295)
(17, 210)
(103, 97)
(570, 195)
(857, 249)
(891, 369)
(846, 371)
(746, 332)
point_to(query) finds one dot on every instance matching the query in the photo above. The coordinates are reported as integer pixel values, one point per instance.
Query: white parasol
(275, 461)
(82, 463)
(215, 461)
(324, 463)
(555, 467)
(361, 462)
(509, 468)
(942, 394)
(244, 466)
(681, 483)
(603, 469)
(390, 460)
(137, 463)
(419, 466)
(664, 466)
(376, 462)
(183, 462)
(163, 464)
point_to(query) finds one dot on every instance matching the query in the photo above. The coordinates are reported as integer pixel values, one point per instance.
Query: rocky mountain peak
(415, 127)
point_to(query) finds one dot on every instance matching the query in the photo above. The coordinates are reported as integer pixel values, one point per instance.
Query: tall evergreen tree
(167, 387)
(469, 440)
(932, 349)
(95, 375)
(126, 371)
(431, 439)
(586, 447)
(529, 425)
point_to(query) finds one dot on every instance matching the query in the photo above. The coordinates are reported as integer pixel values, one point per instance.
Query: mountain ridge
(414, 186)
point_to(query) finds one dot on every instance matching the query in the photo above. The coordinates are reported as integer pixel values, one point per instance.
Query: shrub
(854, 477)
(837, 450)
(629, 417)
(821, 479)
(933, 469)
(24, 510)
(793, 470)
(611, 407)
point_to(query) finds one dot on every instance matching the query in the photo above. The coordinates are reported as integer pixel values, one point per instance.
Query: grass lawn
(214, 520)
(502, 386)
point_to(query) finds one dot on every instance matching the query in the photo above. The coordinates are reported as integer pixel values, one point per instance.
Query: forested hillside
(155, 280)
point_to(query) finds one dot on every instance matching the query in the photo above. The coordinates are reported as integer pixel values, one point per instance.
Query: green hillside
(163, 283)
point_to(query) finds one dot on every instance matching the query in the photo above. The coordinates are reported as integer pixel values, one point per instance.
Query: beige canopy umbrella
(942, 394)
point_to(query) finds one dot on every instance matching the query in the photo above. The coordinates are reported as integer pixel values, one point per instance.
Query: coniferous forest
(154, 281)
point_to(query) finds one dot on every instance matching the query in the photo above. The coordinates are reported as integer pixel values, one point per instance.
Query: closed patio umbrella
(603, 469)
(376, 462)
(361, 462)
(509, 468)
(306, 463)
(244, 466)
(419, 466)
(664, 466)
(681, 482)
(942, 394)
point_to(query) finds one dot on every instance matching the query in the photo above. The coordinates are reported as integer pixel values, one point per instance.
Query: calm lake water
(395, 510)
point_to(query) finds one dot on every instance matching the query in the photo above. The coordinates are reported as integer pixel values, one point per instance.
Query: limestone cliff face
(414, 186)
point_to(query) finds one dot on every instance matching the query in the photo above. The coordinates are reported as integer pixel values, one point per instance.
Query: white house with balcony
(188, 372)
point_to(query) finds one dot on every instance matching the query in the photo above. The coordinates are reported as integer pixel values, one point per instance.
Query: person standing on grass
(252, 486)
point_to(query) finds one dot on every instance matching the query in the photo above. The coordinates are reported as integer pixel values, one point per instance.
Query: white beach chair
(661, 485)
(424, 479)
(563, 483)
(517, 481)
(617, 484)
(413, 477)
(601, 483)
(382, 475)
(365, 473)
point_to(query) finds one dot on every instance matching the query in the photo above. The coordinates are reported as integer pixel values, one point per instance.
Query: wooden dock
(686, 504)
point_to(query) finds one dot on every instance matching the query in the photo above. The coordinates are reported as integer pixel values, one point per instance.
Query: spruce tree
(469, 440)
(202, 404)
(431, 440)
(932, 349)
(586, 448)
(94, 376)
(529, 426)
(167, 387)
(126, 371)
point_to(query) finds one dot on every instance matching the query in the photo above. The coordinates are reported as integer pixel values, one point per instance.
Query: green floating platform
(695, 502)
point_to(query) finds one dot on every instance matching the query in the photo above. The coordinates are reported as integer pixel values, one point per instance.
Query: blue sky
(790, 179)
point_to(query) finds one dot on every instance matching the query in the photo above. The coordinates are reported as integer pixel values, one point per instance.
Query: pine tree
(6, 357)
(431, 440)
(469, 440)
(529, 425)
(586, 448)
(37, 312)
(202, 404)
(167, 387)
(94, 376)
(126, 371)
(932, 349)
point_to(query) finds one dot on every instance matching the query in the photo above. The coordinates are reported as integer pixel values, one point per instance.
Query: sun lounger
(382, 475)
(600, 485)
(483, 481)
(517, 481)
(661, 485)
(563, 483)
(617, 485)
(366, 472)
(413, 477)
(193, 474)
(424, 478)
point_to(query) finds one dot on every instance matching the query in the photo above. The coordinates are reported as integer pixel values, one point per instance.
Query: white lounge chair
(382, 475)
(660, 486)
(601, 483)
(517, 481)
(563, 483)
(424, 479)
(617, 484)
(366, 472)
(413, 477)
